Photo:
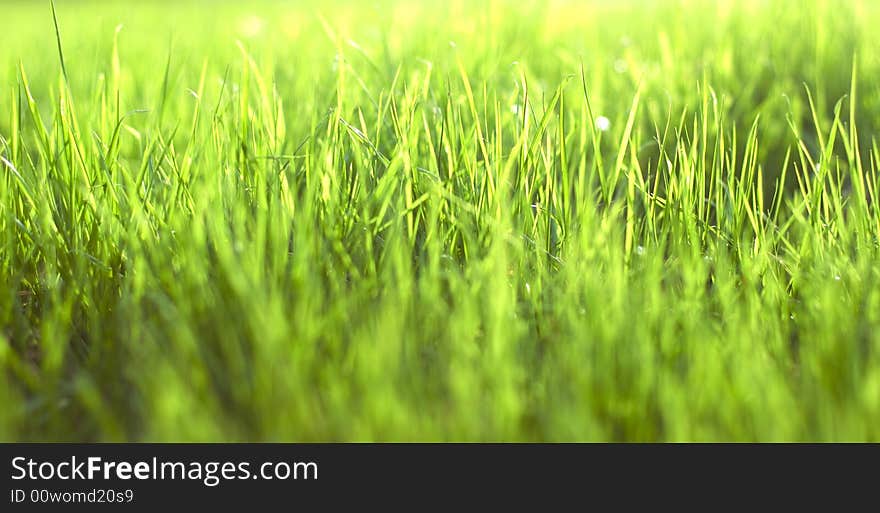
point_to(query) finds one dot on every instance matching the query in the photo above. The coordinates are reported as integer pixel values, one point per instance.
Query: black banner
(427, 476)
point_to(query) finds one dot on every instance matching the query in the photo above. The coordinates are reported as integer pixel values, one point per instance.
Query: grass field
(465, 220)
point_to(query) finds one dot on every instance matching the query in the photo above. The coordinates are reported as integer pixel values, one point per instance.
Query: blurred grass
(399, 221)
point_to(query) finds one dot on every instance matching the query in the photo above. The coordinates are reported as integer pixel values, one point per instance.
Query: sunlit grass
(452, 221)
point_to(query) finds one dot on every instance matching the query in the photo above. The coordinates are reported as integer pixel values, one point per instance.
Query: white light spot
(620, 66)
(515, 108)
(251, 26)
(603, 124)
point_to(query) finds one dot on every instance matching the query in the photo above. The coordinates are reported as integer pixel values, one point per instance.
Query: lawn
(482, 220)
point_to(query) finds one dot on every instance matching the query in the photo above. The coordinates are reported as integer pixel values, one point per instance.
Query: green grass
(400, 221)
